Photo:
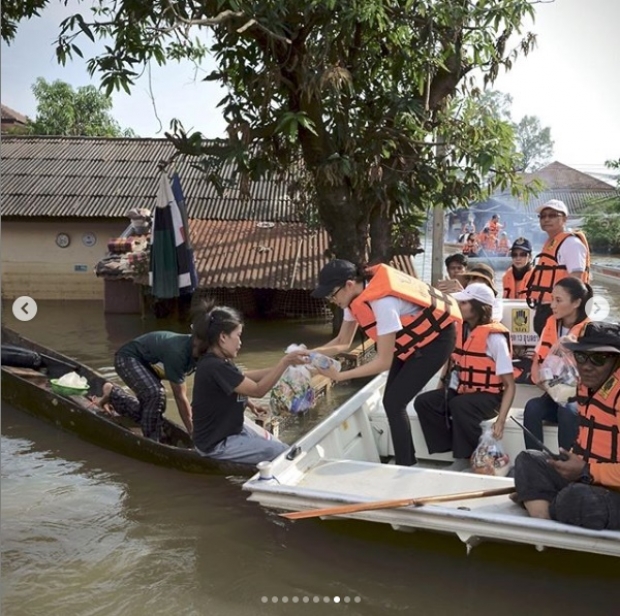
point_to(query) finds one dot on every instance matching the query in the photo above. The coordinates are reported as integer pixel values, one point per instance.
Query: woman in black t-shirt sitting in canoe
(221, 392)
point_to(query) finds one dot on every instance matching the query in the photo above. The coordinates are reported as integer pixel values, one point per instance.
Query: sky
(570, 81)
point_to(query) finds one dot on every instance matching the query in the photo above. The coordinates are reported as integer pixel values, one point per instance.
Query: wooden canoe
(29, 390)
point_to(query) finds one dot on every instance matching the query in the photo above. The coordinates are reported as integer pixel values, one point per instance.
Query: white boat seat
(513, 440)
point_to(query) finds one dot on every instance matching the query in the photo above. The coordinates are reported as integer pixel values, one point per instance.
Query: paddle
(392, 504)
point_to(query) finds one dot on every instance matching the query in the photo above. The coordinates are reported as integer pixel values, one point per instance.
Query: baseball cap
(554, 204)
(334, 274)
(522, 244)
(598, 336)
(478, 291)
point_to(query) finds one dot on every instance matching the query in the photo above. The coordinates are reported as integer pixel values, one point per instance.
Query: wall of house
(33, 264)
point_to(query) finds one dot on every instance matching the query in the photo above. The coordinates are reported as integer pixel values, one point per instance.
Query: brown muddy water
(86, 532)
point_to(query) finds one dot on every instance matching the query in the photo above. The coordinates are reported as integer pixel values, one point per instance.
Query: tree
(534, 143)
(14, 11)
(61, 110)
(363, 95)
(602, 219)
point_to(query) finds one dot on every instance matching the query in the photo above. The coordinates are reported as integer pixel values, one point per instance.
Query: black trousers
(542, 313)
(405, 380)
(451, 422)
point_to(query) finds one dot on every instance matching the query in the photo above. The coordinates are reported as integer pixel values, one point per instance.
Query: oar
(393, 504)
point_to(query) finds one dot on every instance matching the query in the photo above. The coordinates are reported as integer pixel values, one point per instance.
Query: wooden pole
(437, 245)
(394, 504)
(438, 228)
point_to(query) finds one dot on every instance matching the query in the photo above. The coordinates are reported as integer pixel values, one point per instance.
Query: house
(65, 197)
(575, 188)
(12, 122)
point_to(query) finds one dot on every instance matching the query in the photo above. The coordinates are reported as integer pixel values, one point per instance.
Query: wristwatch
(586, 476)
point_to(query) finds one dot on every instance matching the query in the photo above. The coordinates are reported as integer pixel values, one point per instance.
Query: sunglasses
(555, 215)
(596, 359)
(520, 254)
(332, 295)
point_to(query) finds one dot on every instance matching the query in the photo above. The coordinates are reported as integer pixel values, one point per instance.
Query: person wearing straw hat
(479, 272)
(478, 384)
(411, 323)
(584, 488)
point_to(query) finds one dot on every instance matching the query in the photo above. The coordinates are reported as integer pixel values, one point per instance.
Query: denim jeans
(546, 409)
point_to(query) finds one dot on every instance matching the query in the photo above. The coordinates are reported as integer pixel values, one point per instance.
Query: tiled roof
(574, 188)
(105, 177)
(10, 116)
(557, 176)
(253, 255)
(575, 201)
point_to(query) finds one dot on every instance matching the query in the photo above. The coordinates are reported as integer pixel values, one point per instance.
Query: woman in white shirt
(412, 325)
(477, 384)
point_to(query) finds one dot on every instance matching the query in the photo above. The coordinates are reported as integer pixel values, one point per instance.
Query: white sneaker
(459, 465)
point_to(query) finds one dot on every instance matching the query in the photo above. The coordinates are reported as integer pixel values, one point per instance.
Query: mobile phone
(553, 456)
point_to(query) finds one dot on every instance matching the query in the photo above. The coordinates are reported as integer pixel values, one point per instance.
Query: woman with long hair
(568, 305)
(411, 323)
(221, 391)
(477, 384)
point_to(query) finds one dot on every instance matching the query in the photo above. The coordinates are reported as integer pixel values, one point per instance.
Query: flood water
(86, 532)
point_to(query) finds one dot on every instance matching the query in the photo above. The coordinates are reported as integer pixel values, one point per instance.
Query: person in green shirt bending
(142, 363)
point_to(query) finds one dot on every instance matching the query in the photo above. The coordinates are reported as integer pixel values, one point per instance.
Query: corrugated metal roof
(247, 254)
(105, 177)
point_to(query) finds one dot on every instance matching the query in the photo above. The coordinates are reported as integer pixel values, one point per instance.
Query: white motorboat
(345, 460)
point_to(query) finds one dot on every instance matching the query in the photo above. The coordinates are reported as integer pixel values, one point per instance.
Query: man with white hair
(565, 253)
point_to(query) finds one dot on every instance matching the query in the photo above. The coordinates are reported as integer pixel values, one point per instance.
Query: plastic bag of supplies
(293, 393)
(558, 372)
(489, 458)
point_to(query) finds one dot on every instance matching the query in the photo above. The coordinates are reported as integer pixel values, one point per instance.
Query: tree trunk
(381, 249)
(345, 223)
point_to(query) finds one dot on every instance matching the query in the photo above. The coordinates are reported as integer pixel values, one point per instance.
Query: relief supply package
(558, 373)
(293, 393)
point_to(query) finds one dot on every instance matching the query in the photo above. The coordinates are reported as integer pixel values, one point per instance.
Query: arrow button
(25, 308)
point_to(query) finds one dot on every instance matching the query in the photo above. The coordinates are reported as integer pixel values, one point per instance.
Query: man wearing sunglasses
(584, 489)
(565, 253)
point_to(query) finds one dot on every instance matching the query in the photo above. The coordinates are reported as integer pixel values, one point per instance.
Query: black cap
(598, 336)
(522, 244)
(334, 275)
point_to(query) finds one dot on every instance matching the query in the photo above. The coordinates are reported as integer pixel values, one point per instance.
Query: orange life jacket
(548, 272)
(438, 309)
(513, 288)
(488, 242)
(470, 248)
(494, 227)
(598, 437)
(549, 336)
(503, 246)
(476, 369)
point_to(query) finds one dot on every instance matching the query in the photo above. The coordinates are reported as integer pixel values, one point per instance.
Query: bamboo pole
(394, 504)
